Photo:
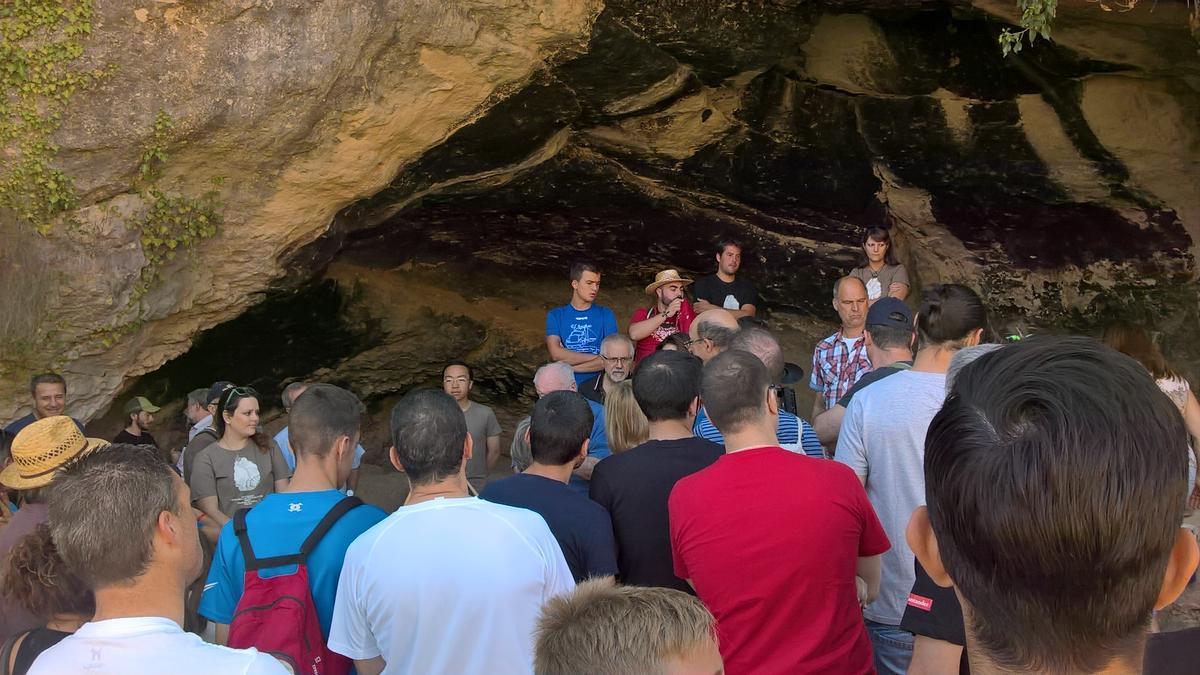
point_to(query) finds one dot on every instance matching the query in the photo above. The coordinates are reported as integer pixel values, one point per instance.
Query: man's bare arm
(580, 362)
(828, 424)
(745, 310)
(373, 666)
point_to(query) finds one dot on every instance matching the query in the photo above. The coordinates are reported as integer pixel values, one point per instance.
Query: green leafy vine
(39, 40)
(1036, 17)
(172, 222)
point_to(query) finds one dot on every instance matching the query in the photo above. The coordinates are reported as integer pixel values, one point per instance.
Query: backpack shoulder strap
(243, 537)
(340, 509)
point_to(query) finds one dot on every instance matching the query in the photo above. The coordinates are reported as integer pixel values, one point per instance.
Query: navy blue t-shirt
(581, 526)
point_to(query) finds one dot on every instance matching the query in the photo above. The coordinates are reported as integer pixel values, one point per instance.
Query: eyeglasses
(689, 343)
(618, 359)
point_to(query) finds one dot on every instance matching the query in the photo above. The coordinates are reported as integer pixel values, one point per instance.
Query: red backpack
(276, 615)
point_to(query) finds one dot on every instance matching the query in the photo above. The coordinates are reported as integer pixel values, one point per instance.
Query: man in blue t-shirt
(324, 425)
(575, 330)
(558, 437)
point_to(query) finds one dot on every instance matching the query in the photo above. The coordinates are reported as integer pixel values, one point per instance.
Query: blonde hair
(625, 424)
(602, 629)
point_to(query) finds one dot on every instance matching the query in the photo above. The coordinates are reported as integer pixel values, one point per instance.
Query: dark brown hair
(882, 235)
(228, 403)
(1133, 341)
(37, 579)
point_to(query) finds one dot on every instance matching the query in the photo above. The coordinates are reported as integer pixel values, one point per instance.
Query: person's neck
(935, 359)
(1122, 665)
(887, 357)
(464, 404)
(876, 266)
(314, 474)
(454, 486)
(727, 278)
(66, 623)
(757, 435)
(157, 592)
(231, 440)
(852, 332)
(670, 430)
(134, 430)
(606, 383)
(561, 473)
(580, 304)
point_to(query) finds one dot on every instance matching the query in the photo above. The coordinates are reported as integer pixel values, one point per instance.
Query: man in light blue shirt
(325, 424)
(290, 394)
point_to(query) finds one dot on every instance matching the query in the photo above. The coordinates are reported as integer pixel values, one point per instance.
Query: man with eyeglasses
(617, 353)
(671, 313)
(711, 333)
(481, 423)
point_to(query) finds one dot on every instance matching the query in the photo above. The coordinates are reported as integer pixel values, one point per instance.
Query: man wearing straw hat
(671, 313)
(39, 451)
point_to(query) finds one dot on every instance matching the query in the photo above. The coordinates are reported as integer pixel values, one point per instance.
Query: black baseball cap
(215, 391)
(891, 312)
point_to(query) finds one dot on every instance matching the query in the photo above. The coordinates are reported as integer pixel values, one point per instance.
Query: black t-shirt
(581, 526)
(126, 437)
(872, 377)
(593, 389)
(634, 487)
(715, 291)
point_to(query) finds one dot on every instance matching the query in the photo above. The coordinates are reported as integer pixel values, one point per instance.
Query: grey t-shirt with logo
(237, 478)
(883, 438)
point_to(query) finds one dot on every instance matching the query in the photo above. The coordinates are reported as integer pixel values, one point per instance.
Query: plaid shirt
(837, 367)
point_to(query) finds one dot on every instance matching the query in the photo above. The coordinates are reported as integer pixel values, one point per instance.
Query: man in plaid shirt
(840, 359)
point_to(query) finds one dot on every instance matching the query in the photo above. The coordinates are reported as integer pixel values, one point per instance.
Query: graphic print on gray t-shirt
(238, 479)
(883, 438)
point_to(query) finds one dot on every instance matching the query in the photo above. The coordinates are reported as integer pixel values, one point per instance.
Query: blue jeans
(893, 648)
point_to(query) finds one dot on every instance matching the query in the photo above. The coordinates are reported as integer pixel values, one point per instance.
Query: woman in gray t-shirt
(240, 468)
(878, 269)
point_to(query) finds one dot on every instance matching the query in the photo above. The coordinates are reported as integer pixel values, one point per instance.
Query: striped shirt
(792, 433)
(837, 366)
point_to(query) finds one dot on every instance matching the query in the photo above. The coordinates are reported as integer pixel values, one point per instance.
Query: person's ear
(583, 451)
(468, 448)
(394, 457)
(526, 437)
(772, 402)
(923, 543)
(1180, 567)
(912, 341)
(975, 337)
(867, 341)
(694, 407)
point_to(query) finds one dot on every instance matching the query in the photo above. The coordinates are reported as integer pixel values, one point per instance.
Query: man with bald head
(559, 376)
(711, 333)
(840, 359)
(792, 432)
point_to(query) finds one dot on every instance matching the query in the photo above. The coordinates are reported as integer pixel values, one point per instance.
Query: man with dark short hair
(889, 338)
(575, 330)
(122, 521)
(786, 592)
(139, 415)
(325, 426)
(724, 290)
(448, 583)
(283, 438)
(616, 351)
(1066, 580)
(792, 433)
(558, 434)
(49, 394)
(458, 380)
(634, 485)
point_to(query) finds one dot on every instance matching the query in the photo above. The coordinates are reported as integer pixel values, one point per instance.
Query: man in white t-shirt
(122, 520)
(448, 583)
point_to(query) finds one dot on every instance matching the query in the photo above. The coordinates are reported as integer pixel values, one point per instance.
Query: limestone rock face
(504, 140)
(302, 107)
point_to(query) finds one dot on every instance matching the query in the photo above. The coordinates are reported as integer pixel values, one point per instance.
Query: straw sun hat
(44, 447)
(666, 277)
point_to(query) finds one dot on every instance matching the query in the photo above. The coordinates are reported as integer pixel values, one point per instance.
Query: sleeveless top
(1176, 389)
(36, 641)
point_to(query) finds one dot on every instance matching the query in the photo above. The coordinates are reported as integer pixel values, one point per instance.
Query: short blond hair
(602, 629)
(625, 425)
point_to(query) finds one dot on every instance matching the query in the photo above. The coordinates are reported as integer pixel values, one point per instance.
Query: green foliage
(39, 40)
(172, 222)
(1036, 17)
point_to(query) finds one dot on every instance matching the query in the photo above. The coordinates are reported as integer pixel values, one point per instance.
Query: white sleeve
(350, 633)
(265, 664)
(851, 449)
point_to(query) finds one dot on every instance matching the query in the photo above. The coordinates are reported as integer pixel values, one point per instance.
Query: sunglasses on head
(236, 394)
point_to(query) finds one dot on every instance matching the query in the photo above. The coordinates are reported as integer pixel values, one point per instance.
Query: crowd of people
(962, 500)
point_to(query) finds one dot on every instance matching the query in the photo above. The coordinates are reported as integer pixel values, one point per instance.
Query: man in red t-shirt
(784, 549)
(671, 313)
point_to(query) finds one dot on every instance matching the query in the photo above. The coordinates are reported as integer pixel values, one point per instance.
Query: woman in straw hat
(39, 452)
(670, 314)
